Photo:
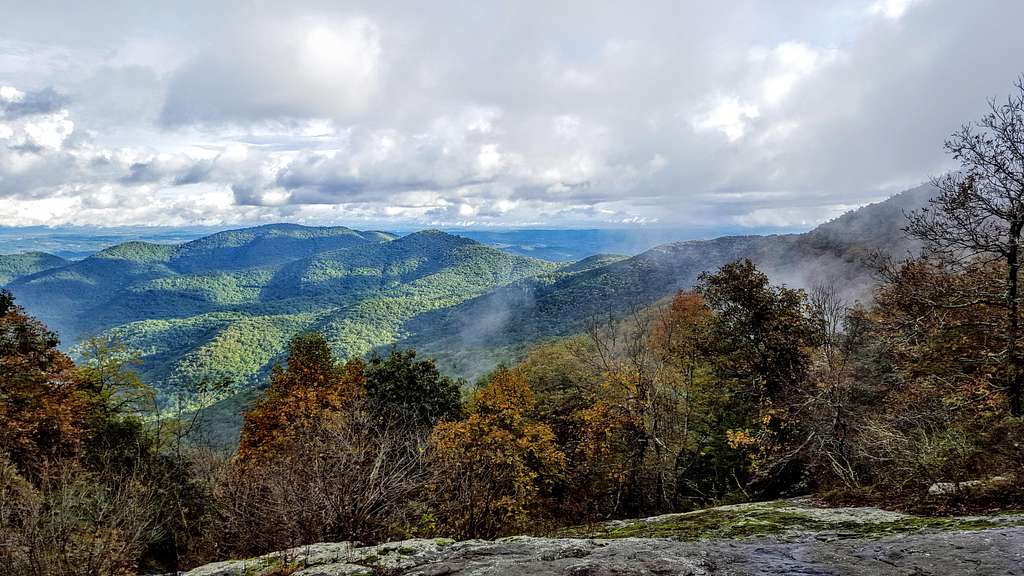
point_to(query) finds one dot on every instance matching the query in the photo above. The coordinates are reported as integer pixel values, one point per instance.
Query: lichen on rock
(781, 537)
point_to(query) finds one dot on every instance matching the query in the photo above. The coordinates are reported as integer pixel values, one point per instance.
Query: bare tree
(826, 410)
(978, 213)
(346, 478)
(622, 353)
(75, 522)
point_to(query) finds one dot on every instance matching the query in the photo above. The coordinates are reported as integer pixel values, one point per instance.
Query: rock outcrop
(774, 538)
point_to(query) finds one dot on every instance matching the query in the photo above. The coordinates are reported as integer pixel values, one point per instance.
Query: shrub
(347, 477)
(76, 522)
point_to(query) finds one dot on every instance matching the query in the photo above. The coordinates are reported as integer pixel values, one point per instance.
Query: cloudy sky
(676, 113)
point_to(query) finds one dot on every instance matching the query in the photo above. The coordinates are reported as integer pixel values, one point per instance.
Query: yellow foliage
(496, 466)
(740, 439)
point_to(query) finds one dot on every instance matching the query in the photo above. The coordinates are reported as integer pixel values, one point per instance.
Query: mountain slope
(471, 337)
(224, 306)
(266, 245)
(13, 266)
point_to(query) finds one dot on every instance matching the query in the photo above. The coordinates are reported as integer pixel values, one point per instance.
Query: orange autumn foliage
(497, 466)
(44, 404)
(313, 387)
(681, 330)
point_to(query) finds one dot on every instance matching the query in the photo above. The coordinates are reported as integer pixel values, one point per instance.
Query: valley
(222, 307)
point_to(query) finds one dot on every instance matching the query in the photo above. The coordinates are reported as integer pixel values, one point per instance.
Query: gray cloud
(750, 114)
(45, 101)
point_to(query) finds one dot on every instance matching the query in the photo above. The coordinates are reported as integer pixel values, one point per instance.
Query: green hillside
(591, 262)
(266, 245)
(472, 337)
(223, 307)
(469, 338)
(13, 266)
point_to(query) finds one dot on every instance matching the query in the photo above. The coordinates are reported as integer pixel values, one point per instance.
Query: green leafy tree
(414, 391)
(763, 332)
(762, 342)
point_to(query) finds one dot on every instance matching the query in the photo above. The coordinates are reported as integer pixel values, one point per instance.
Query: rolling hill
(224, 306)
(472, 337)
(13, 266)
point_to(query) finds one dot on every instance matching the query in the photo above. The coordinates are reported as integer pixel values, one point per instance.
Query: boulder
(950, 488)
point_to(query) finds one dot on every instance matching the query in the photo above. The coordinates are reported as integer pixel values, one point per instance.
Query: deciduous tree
(494, 469)
(978, 216)
(311, 387)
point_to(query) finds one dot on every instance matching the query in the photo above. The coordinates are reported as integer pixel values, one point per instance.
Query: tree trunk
(1013, 265)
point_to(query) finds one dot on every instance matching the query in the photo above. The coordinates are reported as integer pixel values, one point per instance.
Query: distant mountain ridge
(556, 305)
(268, 244)
(15, 265)
(226, 304)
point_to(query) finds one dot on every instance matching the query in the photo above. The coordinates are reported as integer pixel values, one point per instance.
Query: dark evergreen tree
(399, 386)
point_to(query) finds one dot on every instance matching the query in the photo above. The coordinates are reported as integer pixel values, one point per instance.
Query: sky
(486, 114)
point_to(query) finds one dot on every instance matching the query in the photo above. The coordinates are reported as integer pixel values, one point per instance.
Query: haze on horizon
(748, 115)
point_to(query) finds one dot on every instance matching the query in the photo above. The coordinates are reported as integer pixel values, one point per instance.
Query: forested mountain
(265, 245)
(469, 338)
(222, 307)
(14, 265)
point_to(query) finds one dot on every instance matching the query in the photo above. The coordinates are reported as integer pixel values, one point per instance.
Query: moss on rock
(781, 518)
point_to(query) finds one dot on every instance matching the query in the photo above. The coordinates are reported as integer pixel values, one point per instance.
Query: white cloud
(727, 115)
(786, 65)
(11, 94)
(342, 58)
(891, 9)
(792, 217)
(49, 131)
(297, 66)
(567, 114)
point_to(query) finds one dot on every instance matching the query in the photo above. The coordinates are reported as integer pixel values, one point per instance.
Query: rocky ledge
(773, 538)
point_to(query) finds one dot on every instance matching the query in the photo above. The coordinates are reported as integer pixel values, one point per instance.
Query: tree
(835, 399)
(930, 408)
(632, 399)
(43, 407)
(312, 386)
(706, 468)
(764, 332)
(106, 365)
(680, 334)
(762, 338)
(494, 469)
(978, 214)
(413, 391)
